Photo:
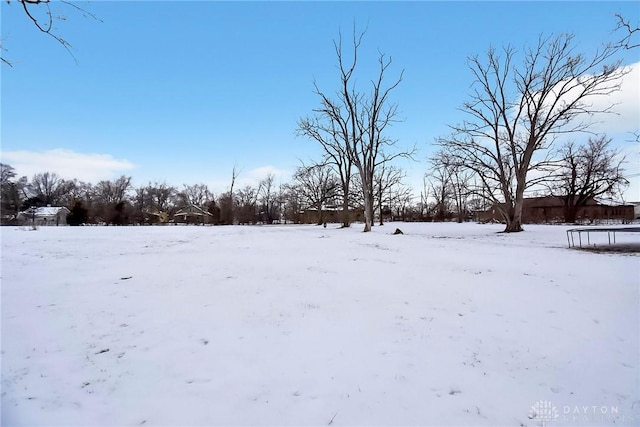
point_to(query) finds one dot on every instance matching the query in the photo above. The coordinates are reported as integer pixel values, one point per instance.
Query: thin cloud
(254, 176)
(626, 110)
(66, 163)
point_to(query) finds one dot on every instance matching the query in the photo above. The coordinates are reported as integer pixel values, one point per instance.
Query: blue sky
(183, 91)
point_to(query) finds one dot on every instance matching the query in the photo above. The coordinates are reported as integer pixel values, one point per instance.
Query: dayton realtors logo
(543, 411)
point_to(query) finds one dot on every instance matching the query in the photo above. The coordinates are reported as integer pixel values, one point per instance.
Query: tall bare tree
(516, 112)
(231, 205)
(587, 171)
(353, 125)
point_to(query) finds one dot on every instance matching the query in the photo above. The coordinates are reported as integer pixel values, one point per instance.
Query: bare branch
(46, 25)
(629, 32)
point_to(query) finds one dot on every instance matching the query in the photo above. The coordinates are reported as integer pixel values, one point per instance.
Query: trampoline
(587, 232)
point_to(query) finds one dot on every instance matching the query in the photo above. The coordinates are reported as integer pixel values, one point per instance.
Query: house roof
(192, 210)
(50, 211)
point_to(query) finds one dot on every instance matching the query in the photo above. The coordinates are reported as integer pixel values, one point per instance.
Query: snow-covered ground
(448, 324)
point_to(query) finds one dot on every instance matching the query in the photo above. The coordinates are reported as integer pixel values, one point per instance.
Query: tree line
(120, 202)
(448, 193)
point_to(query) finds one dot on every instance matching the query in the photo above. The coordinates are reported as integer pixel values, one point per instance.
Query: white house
(49, 215)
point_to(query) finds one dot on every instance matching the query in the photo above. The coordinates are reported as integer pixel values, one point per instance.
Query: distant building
(192, 215)
(49, 215)
(636, 210)
(551, 209)
(330, 214)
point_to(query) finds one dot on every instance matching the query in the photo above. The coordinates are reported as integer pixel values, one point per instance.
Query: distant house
(49, 215)
(193, 214)
(551, 209)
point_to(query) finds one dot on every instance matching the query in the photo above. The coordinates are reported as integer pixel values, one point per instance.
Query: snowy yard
(447, 324)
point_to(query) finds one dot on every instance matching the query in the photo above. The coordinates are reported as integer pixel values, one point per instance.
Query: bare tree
(111, 202)
(7, 173)
(516, 113)
(316, 184)
(49, 187)
(293, 204)
(386, 178)
(268, 202)
(402, 202)
(113, 192)
(161, 196)
(79, 194)
(588, 171)
(353, 125)
(438, 180)
(333, 141)
(246, 201)
(451, 181)
(460, 182)
(196, 194)
(234, 176)
(41, 15)
(11, 192)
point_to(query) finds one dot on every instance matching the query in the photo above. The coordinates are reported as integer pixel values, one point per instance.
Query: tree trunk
(514, 225)
(320, 214)
(346, 220)
(570, 214)
(380, 204)
(368, 211)
(514, 217)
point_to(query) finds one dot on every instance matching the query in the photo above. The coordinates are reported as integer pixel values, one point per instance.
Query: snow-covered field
(448, 324)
